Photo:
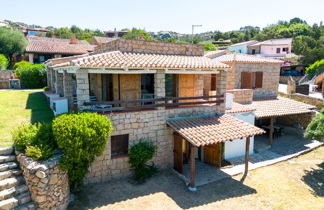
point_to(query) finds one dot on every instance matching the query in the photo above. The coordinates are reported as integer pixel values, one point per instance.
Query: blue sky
(155, 15)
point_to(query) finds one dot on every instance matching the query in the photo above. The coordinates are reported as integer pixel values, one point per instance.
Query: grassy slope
(17, 107)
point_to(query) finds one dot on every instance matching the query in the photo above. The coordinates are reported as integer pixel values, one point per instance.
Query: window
(278, 50)
(253, 51)
(119, 146)
(251, 80)
(285, 49)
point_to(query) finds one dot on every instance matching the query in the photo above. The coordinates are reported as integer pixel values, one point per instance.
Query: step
(7, 158)
(23, 198)
(9, 173)
(11, 182)
(6, 150)
(9, 203)
(7, 193)
(9, 165)
(27, 206)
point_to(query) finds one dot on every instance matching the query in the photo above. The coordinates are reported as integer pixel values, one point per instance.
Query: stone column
(68, 88)
(54, 81)
(49, 78)
(59, 83)
(221, 84)
(82, 80)
(159, 85)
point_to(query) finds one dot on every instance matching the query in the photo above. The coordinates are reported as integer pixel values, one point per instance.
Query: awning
(210, 130)
(280, 107)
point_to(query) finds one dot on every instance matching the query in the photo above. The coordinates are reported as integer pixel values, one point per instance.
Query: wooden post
(247, 151)
(192, 186)
(271, 131)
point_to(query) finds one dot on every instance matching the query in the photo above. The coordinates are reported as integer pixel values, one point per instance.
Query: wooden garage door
(213, 154)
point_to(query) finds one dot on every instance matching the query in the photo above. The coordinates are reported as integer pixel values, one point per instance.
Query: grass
(17, 107)
(294, 184)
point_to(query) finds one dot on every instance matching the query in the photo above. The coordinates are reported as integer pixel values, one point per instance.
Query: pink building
(272, 48)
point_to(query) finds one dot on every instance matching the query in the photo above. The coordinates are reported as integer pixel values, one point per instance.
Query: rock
(53, 179)
(40, 199)
(40, 174)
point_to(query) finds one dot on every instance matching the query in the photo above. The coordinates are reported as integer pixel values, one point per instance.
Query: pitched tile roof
(214, 54)
(117, 59)
(210, 130)
(237, 108)
(59, 46)
(243, 58)
(102, 40)
(245, 43)
(280, 107)
(283, 41)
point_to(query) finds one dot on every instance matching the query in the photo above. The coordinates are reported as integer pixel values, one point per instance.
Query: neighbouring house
(115, 33)
(272, 48)
(36, 31)
(98, 40)
(241, 47)
(156, 91)
(251, 76)
(40, 49)
(297, 72)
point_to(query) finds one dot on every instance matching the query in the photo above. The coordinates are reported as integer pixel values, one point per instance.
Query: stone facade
(68, 88)
(242, 95)
(298, 119)
(82, 79)
(319, 103)
(59, 83)
(47, 184)
(142, 46)
(148, 125)
(270, 82)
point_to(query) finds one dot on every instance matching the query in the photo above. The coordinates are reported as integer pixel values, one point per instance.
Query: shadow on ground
(167, 183)
(315, 179)
(40, 111)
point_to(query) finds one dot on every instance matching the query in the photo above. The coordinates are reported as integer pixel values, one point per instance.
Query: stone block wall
(47, 184)
(319, 103)
(143, 46)
(148, 125)
(298, 119)
(82, 79)
(59, 83)
(270, 82)
(242, 95)
(68, 88)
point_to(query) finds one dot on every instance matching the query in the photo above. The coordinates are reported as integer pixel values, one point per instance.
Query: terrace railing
(145, 104)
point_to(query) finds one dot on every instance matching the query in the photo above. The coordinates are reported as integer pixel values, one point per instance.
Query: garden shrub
(139, 154)
(31, 75)
(82, 137)
(316, 68)
(36, 141)
(3, 62)
(315, 129)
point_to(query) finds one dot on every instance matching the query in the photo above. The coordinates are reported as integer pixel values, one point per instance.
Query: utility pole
(193, 28)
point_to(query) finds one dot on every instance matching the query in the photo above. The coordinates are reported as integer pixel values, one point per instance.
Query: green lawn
(17, 107)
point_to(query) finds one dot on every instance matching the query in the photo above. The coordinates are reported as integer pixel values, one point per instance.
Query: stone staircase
(14, 193)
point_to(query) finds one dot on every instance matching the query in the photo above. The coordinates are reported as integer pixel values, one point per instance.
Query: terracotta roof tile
(117, 59)
(280, 107)
(54, 45)
(242, 58)
(102, 40)
(210, 130)
(237, 108)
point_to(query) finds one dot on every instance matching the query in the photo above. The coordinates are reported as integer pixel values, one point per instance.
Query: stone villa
(169, 94)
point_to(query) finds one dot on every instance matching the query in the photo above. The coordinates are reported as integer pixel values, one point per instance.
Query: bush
(21, 64)
(139, 154)
(316, 68)
(36, 141)
(82, 137)
(31, 75)
(315, 130)
(3, 62)
(46, 88)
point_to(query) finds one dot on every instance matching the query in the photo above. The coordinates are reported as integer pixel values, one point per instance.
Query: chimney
(229, 100)
(74, 40)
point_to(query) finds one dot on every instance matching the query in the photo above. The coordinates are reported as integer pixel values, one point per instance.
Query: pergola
(204, 131)
(270, 109)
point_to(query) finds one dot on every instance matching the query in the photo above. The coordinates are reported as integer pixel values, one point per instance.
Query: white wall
(236, 148)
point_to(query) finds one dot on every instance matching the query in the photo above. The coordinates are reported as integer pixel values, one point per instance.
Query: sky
(160, 15)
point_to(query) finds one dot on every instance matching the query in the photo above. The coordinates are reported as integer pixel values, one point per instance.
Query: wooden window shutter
(258, 79)
(246, 80)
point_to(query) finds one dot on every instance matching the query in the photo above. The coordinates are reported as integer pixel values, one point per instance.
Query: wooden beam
(247, 151)
(271, 131)
(192, 185)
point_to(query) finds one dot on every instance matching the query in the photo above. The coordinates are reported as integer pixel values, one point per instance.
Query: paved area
(289, 145)
(283, 89)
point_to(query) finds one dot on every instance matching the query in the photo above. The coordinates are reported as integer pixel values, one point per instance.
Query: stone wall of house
(295, 120)
(143, 46)
(270, 82)
(47, 184)
(284, 79)
(319, 103)
(242, 95)
(148, 125)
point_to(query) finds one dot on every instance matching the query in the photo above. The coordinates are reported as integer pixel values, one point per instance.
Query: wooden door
(177, 153)
(130, 87)
(186, 86)
(213, 154)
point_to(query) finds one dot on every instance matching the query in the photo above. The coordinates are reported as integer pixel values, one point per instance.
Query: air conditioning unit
(50, 98)
(59, 105)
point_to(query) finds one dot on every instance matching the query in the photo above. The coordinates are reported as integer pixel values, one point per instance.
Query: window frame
(122, 152)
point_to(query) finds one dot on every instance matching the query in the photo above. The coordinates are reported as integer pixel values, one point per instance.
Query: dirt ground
(294, 184)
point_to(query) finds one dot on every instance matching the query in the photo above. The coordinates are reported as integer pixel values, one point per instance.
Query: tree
(11, 42)
(316, 68)
(315, 130)
(310, 49)
(297, 20)
(63, 33)
(3, 62)
(135, 33)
